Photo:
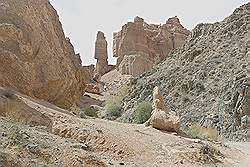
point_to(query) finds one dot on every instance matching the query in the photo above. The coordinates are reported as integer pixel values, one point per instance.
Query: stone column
(101, 54)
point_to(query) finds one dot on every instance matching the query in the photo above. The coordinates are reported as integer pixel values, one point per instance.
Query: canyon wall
(35, 57)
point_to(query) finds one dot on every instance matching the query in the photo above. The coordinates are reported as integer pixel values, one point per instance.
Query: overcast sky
(81, 19)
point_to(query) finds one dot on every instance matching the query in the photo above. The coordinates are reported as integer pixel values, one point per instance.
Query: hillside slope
(207, 80)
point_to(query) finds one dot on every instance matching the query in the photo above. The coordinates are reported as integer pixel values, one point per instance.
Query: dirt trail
(136, 145)
(106, 143)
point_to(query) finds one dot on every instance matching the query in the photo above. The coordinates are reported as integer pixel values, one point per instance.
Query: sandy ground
(118, 144)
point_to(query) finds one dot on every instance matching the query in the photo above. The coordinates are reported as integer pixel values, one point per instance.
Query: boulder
(35, 56)
(162, 117)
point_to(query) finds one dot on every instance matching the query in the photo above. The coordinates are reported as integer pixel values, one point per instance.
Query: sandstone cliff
(207, 80)
(35, 57)
(138, 46)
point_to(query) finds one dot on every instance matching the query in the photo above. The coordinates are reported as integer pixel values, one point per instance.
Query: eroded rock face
(101, 53)
(135, 64)
(88, 72)
(153, 42)
(35, 57)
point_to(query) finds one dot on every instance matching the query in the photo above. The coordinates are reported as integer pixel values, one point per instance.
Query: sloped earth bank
(207, 81)
(93, 142)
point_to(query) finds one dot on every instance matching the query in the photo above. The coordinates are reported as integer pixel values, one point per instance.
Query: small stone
(110, 163)
(81, 146)
(162, 153)
(197, 141)
(174, 133)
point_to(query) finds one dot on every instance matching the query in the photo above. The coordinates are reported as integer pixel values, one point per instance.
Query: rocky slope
(207, 80)
(35, 57)
(61, 139)
(138, 46)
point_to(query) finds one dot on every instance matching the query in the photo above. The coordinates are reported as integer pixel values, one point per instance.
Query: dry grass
(209, 154)
(197, 131)
(91, 112)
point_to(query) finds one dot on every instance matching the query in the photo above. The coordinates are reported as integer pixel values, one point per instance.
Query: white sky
(82, 19)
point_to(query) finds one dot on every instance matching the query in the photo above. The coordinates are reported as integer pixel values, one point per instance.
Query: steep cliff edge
(35, 57)
(207, 80)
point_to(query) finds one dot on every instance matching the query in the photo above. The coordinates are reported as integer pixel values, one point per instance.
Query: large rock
(207, 80)
(162, 117)
(35, 57)
(150, 41)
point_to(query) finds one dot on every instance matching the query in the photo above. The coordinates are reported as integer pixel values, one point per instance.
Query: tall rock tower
(101, 54)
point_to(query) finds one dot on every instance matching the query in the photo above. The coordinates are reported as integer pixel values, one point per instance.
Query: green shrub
(113, 108)
(143, 112)
(91, 112)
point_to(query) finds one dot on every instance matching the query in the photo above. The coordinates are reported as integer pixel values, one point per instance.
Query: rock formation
(101, 53)
(138, 46)
(135, 64)
(90, 81)
(207, 80)
(35, 57)
(11, 106)
(93, 88)
(162, 117)
(88, 73)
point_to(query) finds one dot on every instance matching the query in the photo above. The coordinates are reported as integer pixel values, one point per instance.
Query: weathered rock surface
(11, 106)
(88, 73)
(135, 64)
(207, 80)
(162, 117)
(101, 54)
(35, 57)
(90, 79)
(93, 88)
(148, 41)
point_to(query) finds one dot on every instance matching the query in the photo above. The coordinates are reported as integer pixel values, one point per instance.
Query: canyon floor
(72, 141)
